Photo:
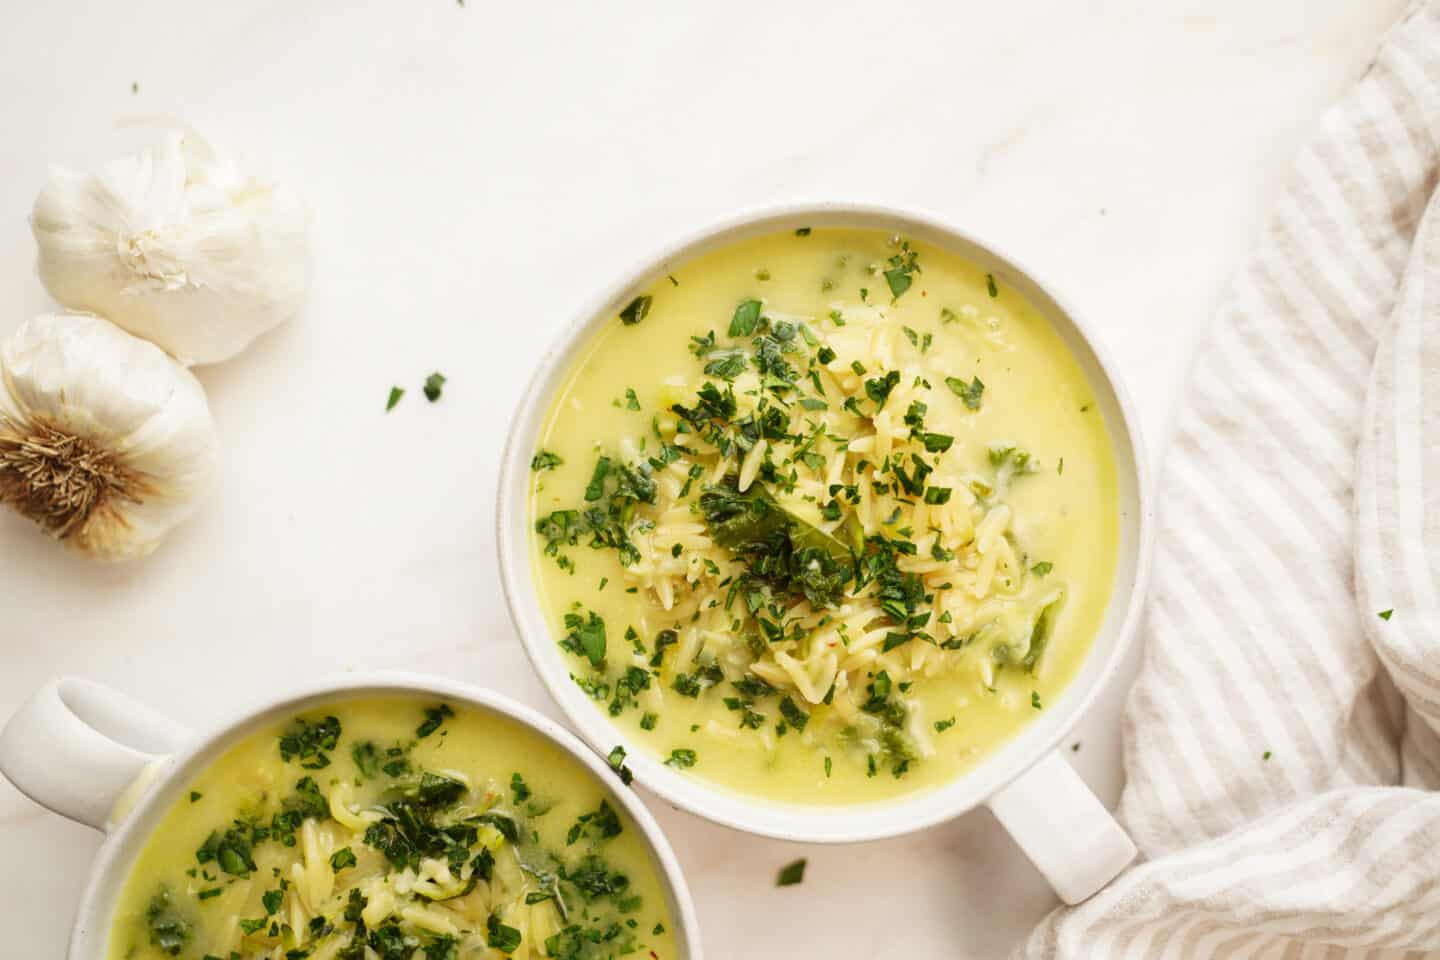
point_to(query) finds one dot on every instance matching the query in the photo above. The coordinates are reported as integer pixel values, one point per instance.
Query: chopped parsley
(990, 286)
(585, 636)
(497, 935)
(434, 386)
(791, 874)
(681, 758)
(434, 717)
(616, 759)
(169, 931)
(878, 389)
(969, 392)
(395, 394)
(1386, 614)
(342, 858)
(636, 310)
(307, 741)
(545, 460)
(745, 319)
(903, 266)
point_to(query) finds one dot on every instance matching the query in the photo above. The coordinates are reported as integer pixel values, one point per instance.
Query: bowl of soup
(836, 519)
(381, 816)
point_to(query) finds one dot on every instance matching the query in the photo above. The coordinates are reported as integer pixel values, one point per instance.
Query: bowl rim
(124, 841)
(713, 801)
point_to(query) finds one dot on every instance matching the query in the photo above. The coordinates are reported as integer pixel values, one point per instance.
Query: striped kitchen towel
(1281, 742)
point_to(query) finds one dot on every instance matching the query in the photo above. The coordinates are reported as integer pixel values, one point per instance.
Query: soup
(393, 829)
(825, 516)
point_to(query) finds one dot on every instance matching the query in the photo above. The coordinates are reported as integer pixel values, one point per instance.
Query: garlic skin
(179, 244)
(105, 441)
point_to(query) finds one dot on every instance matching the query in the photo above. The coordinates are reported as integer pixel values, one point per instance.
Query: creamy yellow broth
(393, 829)
(1023, 550)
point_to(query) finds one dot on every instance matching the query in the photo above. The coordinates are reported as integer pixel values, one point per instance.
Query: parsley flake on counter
(1386, 614)
(434, 386)
(395, 394)
(791, 874)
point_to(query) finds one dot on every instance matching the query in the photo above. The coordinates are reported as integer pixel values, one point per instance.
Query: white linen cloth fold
(1281, 741)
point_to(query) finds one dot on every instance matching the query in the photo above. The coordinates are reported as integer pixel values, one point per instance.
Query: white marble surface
(477, 171)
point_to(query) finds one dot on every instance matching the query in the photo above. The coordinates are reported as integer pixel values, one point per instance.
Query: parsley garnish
(616, 759)
(586, 636)
(306, 742)
(434, 717)
(802, 231)
(681, 758)
(878, 389)
(1035, 699)
(603, 823)
(434, 384)
(169, 931)
(902, 266)
(990, 287)
(1386, 614)
(636, 310)
(545, 460)
(497, 935)
(1042, 568)
(969, 392)
(342, 858)
(395, 394)
(942, 725)
(746, 319)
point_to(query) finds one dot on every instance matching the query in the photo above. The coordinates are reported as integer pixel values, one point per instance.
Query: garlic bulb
(105, 441)
(178, 244)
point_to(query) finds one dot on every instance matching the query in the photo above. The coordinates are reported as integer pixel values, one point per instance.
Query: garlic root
(105, 441)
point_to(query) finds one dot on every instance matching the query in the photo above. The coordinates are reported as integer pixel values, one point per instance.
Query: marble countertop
(476, 172)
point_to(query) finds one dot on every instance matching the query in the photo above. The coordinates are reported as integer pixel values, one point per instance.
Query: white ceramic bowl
(104, 760)
(1033, 791)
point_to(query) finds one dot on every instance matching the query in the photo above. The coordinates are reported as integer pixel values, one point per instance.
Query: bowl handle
(1063, 828)
(84, 750)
